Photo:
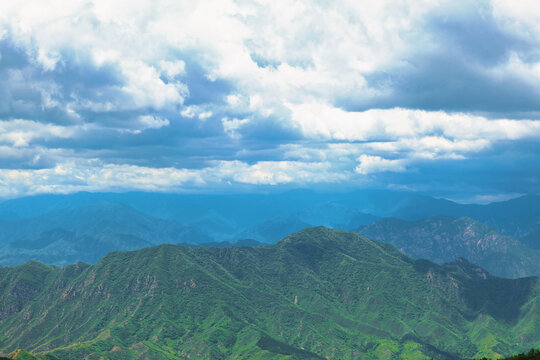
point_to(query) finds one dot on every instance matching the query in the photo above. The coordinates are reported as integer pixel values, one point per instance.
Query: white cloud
(147, 89)
(20, 133)
(279, 172)
(234, 99)
(231, 126)
(372, 164)
(318, 120)
(316, 51)
(188, 111)
(152, 122)
(284, 60)
(172, 69)
(205, 115)
(200, 112)
(320, 51)
(93, 175)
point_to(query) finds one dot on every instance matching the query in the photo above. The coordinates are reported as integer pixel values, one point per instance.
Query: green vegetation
(533, 354)
(319, 293)
(444, 238)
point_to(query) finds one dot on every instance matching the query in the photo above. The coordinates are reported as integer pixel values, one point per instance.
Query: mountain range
(64, 229)
(319, 293)
(443, 238)
(86, 233)
(226, 214)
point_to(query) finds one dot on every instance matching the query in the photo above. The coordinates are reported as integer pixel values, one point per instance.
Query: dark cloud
(457, 71)
(508, 167)
(28, 91)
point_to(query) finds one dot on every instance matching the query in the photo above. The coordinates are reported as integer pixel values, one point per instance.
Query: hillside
(195, 218)
(86, 233)
(443, 238)
(62, 247)
(319, 293)
(531, 240)
(103, 218)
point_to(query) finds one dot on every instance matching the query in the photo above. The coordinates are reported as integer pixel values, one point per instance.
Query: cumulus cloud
(231, 126)
(172, 69)
(371, 164)
(92, 175)
(20, 133)
(152, 122)
(265, 93)
(324, 121)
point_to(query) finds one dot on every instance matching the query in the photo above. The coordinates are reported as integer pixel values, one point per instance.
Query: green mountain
(316, 294)
(225, 217)
(444, 238)
(225, 244)
(531, 240)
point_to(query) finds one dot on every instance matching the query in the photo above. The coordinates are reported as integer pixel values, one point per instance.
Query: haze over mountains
(63, 229)
(315, 294)
(233, 290)
(443, 238)
(261, 180)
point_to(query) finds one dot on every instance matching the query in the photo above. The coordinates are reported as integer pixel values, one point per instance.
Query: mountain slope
(102, 218)
(87, 233)
(531, 240)
(61, 247)
(443, 238)
(319, 293)
(224, 216)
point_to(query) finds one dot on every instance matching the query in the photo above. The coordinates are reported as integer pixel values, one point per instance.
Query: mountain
(86, 233)
(531, 240)
(273, 230)
(516, 217)
(335, 215)
(230, 212)
(103, 218)
(200, 218)
(444, 238)
(225, 244)
(316, 294)
(329, 214)
(61, 247)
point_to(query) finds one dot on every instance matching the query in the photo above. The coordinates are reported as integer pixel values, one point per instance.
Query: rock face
(318, 293)
(443, 238)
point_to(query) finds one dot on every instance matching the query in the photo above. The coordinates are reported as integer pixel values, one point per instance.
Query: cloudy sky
(441, 97)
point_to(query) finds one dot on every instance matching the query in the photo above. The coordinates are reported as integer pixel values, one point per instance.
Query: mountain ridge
(328, 292)
(443, 238)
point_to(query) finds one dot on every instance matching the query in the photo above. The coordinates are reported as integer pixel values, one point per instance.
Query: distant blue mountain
(86, 233)
(231, 212)
(155, 218)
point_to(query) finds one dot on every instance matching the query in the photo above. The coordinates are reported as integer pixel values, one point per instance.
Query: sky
(438, 97)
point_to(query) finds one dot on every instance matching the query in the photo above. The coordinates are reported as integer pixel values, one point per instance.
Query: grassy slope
(317, 293)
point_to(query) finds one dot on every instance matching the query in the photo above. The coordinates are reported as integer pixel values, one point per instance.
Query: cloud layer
(436, 96)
